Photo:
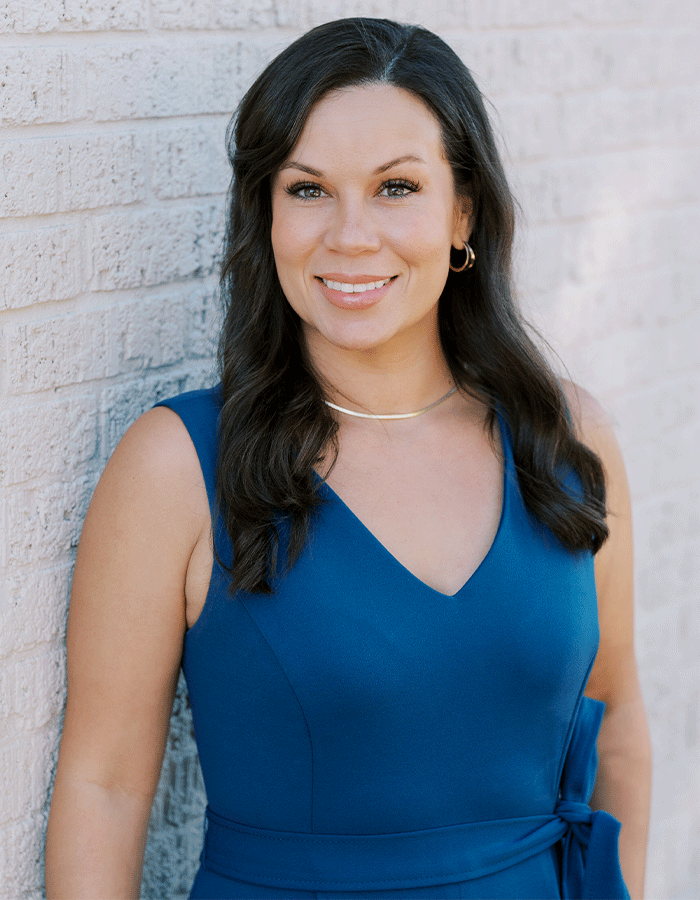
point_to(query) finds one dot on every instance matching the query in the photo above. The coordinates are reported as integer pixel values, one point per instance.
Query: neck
(380, 382)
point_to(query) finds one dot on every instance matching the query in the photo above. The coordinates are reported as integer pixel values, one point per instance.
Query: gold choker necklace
(411, 415)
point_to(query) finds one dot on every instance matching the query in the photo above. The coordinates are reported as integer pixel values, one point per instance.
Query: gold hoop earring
(470, 259)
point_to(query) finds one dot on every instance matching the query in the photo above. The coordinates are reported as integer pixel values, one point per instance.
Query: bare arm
(624, 750)
(125, 631)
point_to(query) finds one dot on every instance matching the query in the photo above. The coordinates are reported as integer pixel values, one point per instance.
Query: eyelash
(411, 186)
(296, 189)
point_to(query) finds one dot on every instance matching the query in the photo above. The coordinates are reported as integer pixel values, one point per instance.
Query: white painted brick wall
(43, 16)
(112, 183)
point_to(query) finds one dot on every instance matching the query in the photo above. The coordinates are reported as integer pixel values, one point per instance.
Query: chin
(358, 339)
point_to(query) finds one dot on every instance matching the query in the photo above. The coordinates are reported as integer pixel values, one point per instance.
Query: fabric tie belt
(314, 862)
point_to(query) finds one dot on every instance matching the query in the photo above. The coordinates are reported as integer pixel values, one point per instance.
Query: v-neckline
(505, 454)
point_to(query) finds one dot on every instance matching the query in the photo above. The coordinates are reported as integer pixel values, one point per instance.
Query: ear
(463, 221)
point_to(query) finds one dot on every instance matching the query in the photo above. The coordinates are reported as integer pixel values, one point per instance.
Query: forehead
(375, 120)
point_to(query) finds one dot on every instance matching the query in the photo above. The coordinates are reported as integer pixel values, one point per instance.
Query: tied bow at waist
(589, 860)
(589, 857)
(337, 862)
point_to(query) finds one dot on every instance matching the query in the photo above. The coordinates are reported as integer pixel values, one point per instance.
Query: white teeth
(355, 288)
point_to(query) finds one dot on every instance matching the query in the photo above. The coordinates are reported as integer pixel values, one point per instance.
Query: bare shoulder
(157, 449)
(587, 413)
(148, 512)
(154, 472)
(594, 428)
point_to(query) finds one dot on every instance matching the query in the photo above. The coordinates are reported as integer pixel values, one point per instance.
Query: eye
(305, 190)
(398, 187)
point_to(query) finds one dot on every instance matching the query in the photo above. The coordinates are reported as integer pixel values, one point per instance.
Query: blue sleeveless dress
(363, 735)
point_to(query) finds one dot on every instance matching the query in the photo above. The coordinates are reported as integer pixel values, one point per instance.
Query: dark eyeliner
(294, 189)
(411, 186)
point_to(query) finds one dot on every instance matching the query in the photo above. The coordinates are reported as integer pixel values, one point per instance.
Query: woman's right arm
(125, 632)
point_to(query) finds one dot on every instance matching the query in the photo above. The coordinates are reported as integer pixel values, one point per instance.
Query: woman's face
(364, 214)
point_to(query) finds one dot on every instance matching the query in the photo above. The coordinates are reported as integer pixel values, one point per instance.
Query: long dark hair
(274, 427)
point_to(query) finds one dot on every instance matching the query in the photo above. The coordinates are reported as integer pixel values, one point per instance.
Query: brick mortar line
(146, 379)
(88, 301)
(148, 204)
(129, 38)
(64, 218)
(90, 466)
(87, 127)
(280, 34)
(58, 310)
(173, 371)
(152, 375)
(75, 311)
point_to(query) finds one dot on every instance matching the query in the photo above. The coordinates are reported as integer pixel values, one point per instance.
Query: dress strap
(199, 411)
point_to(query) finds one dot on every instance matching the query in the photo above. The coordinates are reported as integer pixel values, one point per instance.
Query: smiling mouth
(347, 288)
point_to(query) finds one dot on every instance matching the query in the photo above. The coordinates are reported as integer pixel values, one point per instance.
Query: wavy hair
(274, 427)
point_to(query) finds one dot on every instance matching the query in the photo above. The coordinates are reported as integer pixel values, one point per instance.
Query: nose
(352, 229)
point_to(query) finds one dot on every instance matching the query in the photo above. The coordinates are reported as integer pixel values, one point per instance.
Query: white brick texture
(40, 264)
(42, 16)
(41, 85)
(113, 177)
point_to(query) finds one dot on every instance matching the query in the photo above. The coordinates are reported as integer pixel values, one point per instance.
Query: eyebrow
(292, 164)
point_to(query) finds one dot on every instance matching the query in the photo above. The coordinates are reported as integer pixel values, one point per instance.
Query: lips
(354, 291)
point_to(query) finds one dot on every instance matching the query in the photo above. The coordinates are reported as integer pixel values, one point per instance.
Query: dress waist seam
(379, 861)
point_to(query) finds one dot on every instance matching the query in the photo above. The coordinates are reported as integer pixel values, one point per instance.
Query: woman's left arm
(623, 785)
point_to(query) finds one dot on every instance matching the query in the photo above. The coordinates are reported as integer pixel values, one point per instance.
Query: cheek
(292, 240)
(290, 253)
(426, 236)
(279, 239)
(286, 255)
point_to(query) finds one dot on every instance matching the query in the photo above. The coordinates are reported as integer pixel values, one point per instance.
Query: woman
(389, 627)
